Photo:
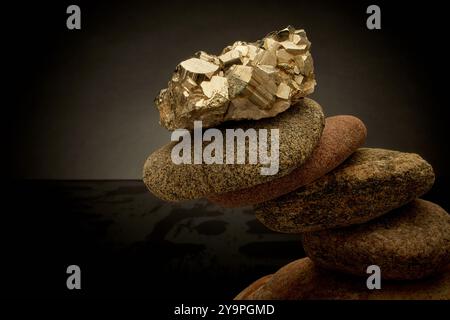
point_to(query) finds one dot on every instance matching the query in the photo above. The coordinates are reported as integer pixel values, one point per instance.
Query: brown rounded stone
(411, 242)
(369, 184)
(303, 280)
(252, 288)
(300, 128)
(341, 136)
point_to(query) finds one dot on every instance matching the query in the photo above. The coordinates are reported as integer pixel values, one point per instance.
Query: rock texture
(247, 292)
(369, 184)
(246, 81)
(411, 242)
(302, 280)
(341, 136)
(300, 129)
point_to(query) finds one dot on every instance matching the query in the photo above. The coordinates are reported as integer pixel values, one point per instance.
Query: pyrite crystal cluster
(246, 81)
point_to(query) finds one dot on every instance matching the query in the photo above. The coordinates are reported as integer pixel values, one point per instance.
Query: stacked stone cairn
(352, 207)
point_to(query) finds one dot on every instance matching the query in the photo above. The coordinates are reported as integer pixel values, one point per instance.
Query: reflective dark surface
(80, 107)
(130, 244)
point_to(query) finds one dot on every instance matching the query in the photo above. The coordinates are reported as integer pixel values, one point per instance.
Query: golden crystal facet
(246, 81)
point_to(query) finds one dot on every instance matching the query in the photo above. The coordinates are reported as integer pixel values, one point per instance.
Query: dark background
(83, 106)
(80, 107)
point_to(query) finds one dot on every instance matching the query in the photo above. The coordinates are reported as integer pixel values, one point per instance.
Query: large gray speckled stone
(369, 184)
(410, 242)
(300, 129)
(340, 138)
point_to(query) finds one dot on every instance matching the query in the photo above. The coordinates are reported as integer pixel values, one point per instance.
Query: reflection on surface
(130, 243)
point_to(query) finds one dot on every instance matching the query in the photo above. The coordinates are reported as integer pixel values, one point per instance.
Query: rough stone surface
(246, 81)
(410, 242)
(341, 136)
(302, 280)
(300, 128)
(369, 184)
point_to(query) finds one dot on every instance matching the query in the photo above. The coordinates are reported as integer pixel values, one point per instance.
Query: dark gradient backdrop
(81, 107)
(84, 99)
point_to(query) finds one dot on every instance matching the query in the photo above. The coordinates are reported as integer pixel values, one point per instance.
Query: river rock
(303, 280)
(245, 294)
(410, 242)
(300, 129)
(367, 185)
(341, 136)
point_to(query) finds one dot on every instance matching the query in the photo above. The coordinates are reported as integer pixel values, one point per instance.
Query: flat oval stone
(303, 280)
(367, 185)
(341, 136)
(411, 242)
(300, 129)
(244, 294)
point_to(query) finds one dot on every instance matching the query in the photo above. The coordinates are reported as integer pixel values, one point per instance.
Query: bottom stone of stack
(303, 280)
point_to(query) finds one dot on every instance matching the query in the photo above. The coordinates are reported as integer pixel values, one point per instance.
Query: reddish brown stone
(252, 288)
(303, 280)
(341, 136)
